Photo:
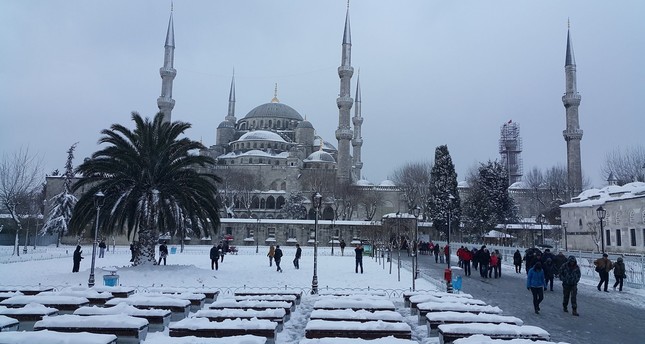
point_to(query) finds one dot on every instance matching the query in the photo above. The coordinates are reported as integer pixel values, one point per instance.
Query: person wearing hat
(535, 282)
(619, 273)
(603, 266)
(570, 276)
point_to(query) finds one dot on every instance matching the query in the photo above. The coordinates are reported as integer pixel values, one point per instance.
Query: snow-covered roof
(364, 182)
(518, 185)
(609, 193)
(463, 184)
(261, 135)
(320, 156)
(387, 182)
(254, 152)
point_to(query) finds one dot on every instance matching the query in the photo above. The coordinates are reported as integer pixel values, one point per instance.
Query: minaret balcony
(572, 134)
(357, 120)
(164, 103)
(344, 102)
(344, 134)
(167, 72)
(571, 99)
(345, 71)
(357, 142)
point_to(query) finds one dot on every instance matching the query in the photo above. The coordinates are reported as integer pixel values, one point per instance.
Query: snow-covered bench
(196, 300)
(428, 307)
(350, 293)
(64, 304)
(408, 294)
(210, 293)
(297, 294)
(202, 327)
(29, 290)
(385, 340)
(435, 319)
(368, 304)
(8, 294)
(157, 318)
(481, 339)
(159, 337)
(360, 315)
(178, 307)
(53, 337)
(126, 328)
(28, 315)
(417, 299)
(121, 292)
(450, 332)
(273, 297)
(354, 329)
(276, 315)
(8, 324)
(95, 297)
(254, 305)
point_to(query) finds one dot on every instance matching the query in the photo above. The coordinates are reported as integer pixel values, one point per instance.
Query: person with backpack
(619, 273)
(603, 266)
(570, 276)
(277, 256)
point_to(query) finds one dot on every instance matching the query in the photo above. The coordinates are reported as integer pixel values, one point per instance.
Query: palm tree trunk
(147, 244)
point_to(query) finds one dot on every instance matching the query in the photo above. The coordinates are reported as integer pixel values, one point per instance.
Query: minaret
(357, 120)
(168, 73)
(344, 101)
(572, 134)
(231, 102)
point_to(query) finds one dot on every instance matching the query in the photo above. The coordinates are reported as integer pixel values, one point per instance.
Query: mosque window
(277, 124)
(632, 215)
(262, 203)
(269, 123)
(283, 186)
(255, 202)
(270, 202)
(619, 214)
(261, 123)
(279, 202)
(255, 145)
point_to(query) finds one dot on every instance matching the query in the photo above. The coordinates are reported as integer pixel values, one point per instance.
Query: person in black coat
(517, 261)
(214, 257)
(296, 260)
(77, 259)
(277, 257)
(359, 257)
(163, 253)
(549, 273)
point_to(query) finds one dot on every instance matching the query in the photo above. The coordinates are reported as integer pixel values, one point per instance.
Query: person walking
(224, 250)
(277, 256)
(132, 251)
(549, 273)
(499, 263)
(215, 257)
(271, 254)
(77, 258)
(619, 273)
(163, 253)
(342, 247)
(603, 266)
(570, 276)
(493, 271)
(435, 250)
(559, 261)
(102, 249)
(535, 283)
(359, 257)
(517, 261)
(466, 257)
(296, 259)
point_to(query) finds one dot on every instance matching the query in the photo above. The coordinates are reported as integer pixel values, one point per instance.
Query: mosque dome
(387, 182)
(364, 182)
(320, 156)
(305, 125)
(262, 135)
(226, 124)
(274, 110)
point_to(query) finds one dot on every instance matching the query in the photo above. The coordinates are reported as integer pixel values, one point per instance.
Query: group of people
(537, 282)
(217, 253)
(604, 266)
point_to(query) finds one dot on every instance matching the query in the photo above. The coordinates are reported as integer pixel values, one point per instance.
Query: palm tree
(151, 181)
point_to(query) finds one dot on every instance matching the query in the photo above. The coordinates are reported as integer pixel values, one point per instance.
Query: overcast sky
(432, 73)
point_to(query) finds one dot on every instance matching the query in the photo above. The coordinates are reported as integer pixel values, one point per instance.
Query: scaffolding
(510, 149)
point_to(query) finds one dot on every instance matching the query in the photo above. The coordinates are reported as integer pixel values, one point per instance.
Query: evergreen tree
(62, 203)
(444, 199)
(294, 208)
(488, 202)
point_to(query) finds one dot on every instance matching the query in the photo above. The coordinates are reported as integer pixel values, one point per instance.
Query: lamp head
(99, 199)
(601, 212)
(416, 211)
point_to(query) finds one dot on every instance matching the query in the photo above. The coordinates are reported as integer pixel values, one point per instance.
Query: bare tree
(414, 180)
(370, 200)
(626, 165)
(19, 175)
(594, 231)
(244, 186)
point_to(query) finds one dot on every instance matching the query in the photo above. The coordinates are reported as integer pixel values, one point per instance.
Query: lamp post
(416, 211)
(332, 235)
(398, 248)
(601, 212)
(540, 220)
(449, 269)
(564, 226)
(256, 235)
(317, 200)
(99, 198)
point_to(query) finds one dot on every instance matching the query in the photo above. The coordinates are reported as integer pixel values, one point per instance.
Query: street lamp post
(601, 212)
(416, 211)
(332, 236)
(99, 198)
(398, 248)
(541, 222)
(449, 269)
(564, 226)
(317, 201)
(257, 236)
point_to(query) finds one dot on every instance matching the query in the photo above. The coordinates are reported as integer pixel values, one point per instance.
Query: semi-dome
(320, 156)
(274, 110)
(262, 135)
(305, 125)
(364, 182)
(226, 124)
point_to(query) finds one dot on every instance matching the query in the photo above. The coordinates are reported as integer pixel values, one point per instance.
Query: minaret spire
(275, 94)
(572, 134)
(231, 101)
(167, 72)
(344, 101)
(357, 141)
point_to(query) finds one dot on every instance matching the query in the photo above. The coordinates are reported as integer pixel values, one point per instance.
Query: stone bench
(353, 329)
(273, 297)
(435, 319)
(9, 294)
(202, 327)
(252, 305)
(451, 332)
(297, 294)
(28, 315)
(481, 339)
(127, 329)
(360, 315)
(158, 319)
(408, 294)
(93, 296)
(8, 324)
(178, 307)
(210, 294)
(417, 299)
(371, 305)
(53, 337)
(120, 292)
(196, 300)
(64, 304)
(428, 307)
(276, 315)
(384, 340)
(25, 290)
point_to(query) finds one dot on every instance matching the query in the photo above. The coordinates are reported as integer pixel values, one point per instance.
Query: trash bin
(456, 283)
(173, 250)
(111, 280)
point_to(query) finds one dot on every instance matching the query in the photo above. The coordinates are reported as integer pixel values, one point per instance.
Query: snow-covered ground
(52, 266)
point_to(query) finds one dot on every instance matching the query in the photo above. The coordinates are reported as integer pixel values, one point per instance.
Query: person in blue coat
(536, 283)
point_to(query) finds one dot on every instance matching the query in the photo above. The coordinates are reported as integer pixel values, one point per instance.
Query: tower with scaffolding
(510, 148)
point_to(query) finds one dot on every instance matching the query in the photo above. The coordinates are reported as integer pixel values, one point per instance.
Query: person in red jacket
(466, 257)
(446, 251)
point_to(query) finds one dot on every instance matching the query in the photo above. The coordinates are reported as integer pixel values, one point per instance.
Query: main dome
(277, 110)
